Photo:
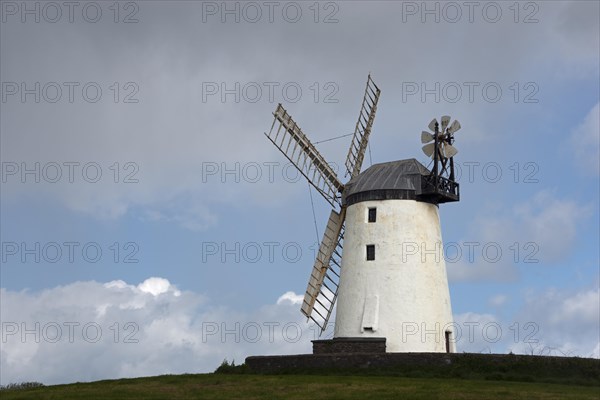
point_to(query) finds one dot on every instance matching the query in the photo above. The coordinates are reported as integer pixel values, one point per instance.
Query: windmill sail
(322, 289)
(356, 153)
(294, 144)
(445, 139)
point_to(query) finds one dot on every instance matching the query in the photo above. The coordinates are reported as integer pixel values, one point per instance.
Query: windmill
(442, 141)
(374, 217)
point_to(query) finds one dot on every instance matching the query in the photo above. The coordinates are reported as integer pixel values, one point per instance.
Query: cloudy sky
(149, 227)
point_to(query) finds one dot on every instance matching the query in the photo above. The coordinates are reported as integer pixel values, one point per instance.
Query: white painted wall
(404, 292)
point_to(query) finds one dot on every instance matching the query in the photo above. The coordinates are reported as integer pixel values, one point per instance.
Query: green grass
(468, 376)
(249, 386)
(570, 371)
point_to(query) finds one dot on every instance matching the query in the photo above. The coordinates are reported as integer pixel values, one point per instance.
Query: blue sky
(217, 230)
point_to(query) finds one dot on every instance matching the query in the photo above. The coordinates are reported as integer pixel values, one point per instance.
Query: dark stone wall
(273, 364)
(504, 367)
(538, 365)
(349, 345)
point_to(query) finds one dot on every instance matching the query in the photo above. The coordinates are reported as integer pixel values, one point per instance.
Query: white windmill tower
(390, 280)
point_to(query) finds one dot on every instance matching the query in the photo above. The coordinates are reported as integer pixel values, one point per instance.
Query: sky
(149, 227)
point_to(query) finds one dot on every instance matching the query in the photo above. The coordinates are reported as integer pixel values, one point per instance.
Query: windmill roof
(402, 175)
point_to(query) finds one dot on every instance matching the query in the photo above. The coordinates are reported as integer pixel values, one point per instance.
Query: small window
(370, 252)
(372, 214)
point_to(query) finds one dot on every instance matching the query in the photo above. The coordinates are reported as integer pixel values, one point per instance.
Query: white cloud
(574, 30)
(550, 322)
(171, 132)
(57, 335)
(596, 351)
(538, 231)
(477, 333)
(88, 331)
(568, 320)
(571, 337)
(585, 142)
(498, 300)
(550, 222)
(156, 286)
(290, 297)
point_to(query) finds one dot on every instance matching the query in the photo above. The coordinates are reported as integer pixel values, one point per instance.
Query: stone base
(469, 362)
(310, 362)
(349, 345)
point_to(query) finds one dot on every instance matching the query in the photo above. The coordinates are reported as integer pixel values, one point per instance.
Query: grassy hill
(473, 377)
(218, 386)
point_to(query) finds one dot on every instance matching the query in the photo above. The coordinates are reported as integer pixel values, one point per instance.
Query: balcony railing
(439, 189)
